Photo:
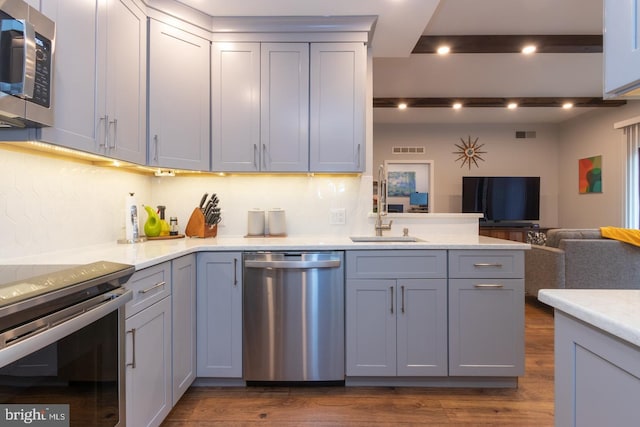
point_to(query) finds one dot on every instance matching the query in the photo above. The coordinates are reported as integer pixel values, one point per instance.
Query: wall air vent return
(407, 150)
(521, 134)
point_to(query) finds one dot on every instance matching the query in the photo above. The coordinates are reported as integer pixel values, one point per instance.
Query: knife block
(196, 227)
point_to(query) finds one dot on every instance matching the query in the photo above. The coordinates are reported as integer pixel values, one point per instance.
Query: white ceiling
(398, 73)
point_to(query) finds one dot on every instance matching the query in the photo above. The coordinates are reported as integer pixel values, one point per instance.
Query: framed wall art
(590, 175)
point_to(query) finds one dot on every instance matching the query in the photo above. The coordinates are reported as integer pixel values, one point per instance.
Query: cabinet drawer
(397, 264)
(149, 286)
(482, 263)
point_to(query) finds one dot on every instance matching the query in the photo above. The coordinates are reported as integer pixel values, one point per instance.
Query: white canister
(255, 222)
(277, 222)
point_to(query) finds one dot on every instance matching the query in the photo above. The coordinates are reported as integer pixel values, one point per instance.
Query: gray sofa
(581, 258)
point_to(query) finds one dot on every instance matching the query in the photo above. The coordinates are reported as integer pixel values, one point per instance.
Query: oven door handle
(42, 338)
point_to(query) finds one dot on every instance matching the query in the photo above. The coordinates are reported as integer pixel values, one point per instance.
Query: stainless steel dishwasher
(293, 317)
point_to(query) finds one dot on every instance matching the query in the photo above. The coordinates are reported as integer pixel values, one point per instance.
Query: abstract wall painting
(590, 175)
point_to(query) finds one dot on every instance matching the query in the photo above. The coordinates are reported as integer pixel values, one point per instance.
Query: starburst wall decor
(469, 152)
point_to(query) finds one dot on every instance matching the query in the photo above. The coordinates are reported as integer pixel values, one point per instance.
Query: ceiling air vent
(407, 150)
(521, 134)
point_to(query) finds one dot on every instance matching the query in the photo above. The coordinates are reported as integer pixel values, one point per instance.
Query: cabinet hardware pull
(235, 271)
(104, 118)
(487, 264)
(255, 153)
(402, 289)
(488, 285)
(115, 133)
(264, 156)
(155, 142)
(391, 289)
(157, 285)
(133, 348)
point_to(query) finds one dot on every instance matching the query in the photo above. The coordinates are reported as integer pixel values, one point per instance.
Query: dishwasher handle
(302, 264)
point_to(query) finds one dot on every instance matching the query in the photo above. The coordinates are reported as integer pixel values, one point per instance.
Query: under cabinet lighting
(512, 106)
(402, 106)
(443, 50)
(457, 106)
(567, 105)
(529, 49)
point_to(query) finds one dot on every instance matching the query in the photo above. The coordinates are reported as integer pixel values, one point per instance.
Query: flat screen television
(502, 198)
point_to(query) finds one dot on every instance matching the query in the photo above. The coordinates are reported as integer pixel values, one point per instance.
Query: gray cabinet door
(421, 310)
(74, 75)
(148, 365)
(183, 304)
(597, 376)
(621, 53)
(235, 107)
(219, 314)
(337, 107)
(486, 327)
(179, 90)
(371, 327)
(284, 139)
(122, 82)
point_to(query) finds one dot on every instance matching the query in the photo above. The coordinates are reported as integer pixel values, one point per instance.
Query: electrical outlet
(338, 216)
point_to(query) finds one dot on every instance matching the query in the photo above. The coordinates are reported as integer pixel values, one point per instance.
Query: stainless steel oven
(62, 344)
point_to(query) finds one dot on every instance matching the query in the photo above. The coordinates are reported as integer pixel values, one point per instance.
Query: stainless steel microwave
(26, 66)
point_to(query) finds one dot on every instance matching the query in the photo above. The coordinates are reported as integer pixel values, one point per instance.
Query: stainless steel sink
(384, 239)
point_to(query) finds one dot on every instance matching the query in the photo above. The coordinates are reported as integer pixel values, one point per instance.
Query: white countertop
(146, 254)
(616, 311)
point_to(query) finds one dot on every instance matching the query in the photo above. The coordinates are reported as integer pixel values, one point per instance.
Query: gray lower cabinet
(183, 331)
(148, 347)
(597, 376)
(486, 313)
(396, 313)
(219, 314)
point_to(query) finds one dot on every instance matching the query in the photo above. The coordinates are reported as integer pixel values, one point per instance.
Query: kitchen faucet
(382, 194)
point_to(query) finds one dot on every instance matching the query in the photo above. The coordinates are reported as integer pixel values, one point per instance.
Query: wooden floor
(531, 404)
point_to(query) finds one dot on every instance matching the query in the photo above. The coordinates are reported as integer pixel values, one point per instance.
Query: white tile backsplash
(49, 204)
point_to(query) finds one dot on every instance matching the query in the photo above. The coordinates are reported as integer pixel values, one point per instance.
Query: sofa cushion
(554, 236)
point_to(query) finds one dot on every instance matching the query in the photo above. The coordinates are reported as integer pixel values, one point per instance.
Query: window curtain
(632, 187)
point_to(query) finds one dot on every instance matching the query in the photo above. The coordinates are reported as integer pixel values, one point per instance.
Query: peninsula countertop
(148, 253)
(615, 311)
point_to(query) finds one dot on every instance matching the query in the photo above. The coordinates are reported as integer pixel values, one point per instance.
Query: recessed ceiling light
(457, 106)
(512, 105)
(402, 106)
(529, 49)
(443, 50)
(567, 105)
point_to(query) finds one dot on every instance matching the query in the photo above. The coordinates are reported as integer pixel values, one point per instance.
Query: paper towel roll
(277, 222)
(131, 227)
(255, 222)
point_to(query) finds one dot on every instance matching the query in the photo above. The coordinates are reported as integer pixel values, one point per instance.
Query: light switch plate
(338, 216)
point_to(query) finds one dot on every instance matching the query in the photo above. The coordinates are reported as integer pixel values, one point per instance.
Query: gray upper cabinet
(179, 89)
(99, 78)
(337, 108)
(235, 107)
(302, 109)
(122, 77)
(621, 53)
(284, 111)
(74, 85)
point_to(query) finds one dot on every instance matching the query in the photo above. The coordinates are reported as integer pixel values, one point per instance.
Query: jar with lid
(173, 226)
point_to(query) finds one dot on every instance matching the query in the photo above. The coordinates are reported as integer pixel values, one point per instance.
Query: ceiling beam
(522, 102)
(584, 43)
